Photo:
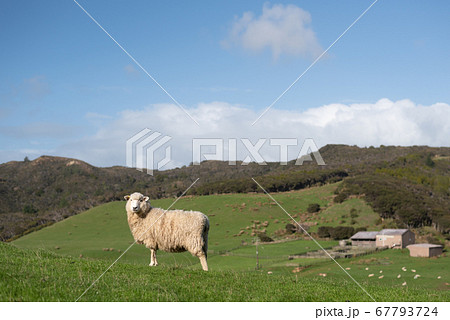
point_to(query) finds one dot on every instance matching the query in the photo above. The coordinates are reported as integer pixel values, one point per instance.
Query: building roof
(365, 235)
(371, 235)
(425, 245)
(392, 232)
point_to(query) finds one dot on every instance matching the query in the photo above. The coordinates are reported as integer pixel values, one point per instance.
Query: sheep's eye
(140, 200)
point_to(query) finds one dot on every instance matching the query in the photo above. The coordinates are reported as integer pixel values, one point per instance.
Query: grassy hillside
(105, 227)
(40, 275)
(72, 253)
(414, 190)
(49, 189)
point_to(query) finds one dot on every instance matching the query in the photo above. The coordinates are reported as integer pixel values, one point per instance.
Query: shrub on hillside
(324, 232)
(429, 162)
(341, 197)
(263, 237)
(28, 208)
(313, 207)
(290, 228)
(337, 233)
(342, 232)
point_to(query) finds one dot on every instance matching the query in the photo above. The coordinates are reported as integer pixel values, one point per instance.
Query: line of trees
(272, 183)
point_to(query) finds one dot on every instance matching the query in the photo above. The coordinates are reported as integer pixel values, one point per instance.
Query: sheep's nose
(135, 208)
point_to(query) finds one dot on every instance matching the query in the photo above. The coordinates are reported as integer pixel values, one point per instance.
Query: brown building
(395, 238)
(424, 250)
(364, 239)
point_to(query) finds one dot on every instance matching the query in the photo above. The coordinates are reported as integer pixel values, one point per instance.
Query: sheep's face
(136, 202)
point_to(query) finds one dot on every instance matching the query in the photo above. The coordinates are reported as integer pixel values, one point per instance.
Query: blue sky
(66, 89)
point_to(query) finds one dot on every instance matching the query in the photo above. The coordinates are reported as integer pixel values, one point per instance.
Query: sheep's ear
(146, 199)
(127, 198)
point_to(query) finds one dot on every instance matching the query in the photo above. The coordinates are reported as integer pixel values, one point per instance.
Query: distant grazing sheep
(171, 231)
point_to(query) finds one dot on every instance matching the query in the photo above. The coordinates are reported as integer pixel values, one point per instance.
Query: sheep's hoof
(152, 264)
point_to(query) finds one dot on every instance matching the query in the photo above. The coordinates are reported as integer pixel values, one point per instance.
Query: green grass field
(41, 275)
(105, 227)
(59, 262)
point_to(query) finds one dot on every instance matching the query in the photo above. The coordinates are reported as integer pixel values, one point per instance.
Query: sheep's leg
(203, 262)
(153, 261)
(154, 258)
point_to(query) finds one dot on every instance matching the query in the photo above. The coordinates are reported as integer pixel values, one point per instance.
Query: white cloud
(284, 29)
(385, 122)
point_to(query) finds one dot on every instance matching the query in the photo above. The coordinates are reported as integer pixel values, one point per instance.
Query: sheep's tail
(205, 238)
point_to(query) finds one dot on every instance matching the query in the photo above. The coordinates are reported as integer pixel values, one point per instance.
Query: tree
(324, 232)
(290, 228)
(263, 237)
(341, 232)
(313, 207)
(341, 197)
(28, 208)
(429, 162)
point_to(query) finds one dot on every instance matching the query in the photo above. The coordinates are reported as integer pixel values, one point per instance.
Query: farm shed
(364, 239)
(395, 238)
(426, 250)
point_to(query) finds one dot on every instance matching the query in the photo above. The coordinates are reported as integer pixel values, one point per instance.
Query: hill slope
(232, 217)
(48, 189)
(102, 233)
(83, 246)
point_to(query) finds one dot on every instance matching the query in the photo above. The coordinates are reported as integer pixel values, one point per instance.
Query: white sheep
(171, 231)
